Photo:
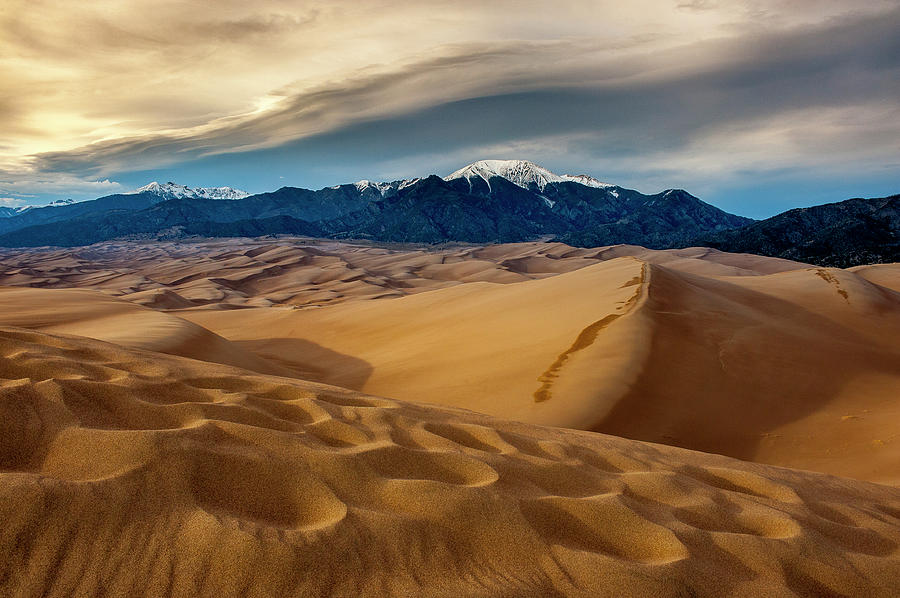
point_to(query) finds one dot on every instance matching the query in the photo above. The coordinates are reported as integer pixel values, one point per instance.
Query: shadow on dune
(728, 365)
(310, 361)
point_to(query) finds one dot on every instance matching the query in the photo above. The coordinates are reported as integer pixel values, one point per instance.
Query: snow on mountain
(9, 212)
(384, 188)
(519, 172)
(586, 180)
(172, 190)
(220, 193)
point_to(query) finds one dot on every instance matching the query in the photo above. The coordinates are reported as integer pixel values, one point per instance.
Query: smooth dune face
(128, 472)
(506, 349)
(885, 275)
(92, 314)
(800, 369)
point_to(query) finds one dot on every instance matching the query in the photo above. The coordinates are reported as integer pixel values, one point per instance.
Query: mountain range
(843, 234)
(487, 201)
(10, 211)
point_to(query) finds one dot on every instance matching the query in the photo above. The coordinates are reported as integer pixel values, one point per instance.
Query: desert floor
(297, 417)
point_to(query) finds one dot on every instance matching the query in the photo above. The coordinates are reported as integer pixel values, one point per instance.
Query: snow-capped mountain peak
(586, 180)
(384, 189)
(519, 172)
(172, 190)
(9, 212)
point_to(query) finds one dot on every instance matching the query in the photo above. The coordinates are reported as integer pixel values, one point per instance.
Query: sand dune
(753, 357)
(886, 275)
(245, 272)
(800, 369)
(92, 314)
(127, 472)
(494, 348)
(142, 453)
(760, 359)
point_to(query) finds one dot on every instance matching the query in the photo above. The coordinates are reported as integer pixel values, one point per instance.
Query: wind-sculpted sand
(199, 419)
(757, 358)
(95, 315)
(504, 349)
(752, 357)
(262, 272)
(130, 472)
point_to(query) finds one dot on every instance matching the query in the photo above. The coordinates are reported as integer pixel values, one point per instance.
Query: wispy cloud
(694, 89)
(55, 184)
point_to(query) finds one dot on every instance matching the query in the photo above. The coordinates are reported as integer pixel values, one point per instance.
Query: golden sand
(167, 428)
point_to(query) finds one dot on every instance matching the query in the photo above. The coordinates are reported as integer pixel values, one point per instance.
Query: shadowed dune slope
(126, 472)
(886, 275)
(800, 368)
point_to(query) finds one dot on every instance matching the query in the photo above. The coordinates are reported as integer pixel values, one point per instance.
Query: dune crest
(210, 480)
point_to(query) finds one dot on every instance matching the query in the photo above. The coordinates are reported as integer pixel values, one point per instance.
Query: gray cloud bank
(804, 100)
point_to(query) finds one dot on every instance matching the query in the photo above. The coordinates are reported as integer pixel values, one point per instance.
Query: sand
(126, 472)
(294, 417)
(503, 349)
(236, 273)
(751, 357)
(95, 315)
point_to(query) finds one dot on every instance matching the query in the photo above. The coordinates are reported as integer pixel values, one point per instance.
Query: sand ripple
(127, 472)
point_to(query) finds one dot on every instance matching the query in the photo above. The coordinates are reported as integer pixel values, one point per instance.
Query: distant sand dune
(245, 272)
(94, 315)
(757, 358)
(885, 275)
(127, 472)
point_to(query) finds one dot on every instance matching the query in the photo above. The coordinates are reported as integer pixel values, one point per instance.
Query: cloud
(702, 90)
(55, 184)
(237, 30)
(698, 5)
(526, 89)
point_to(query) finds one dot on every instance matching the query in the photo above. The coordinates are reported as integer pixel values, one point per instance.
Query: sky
(755, 106)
